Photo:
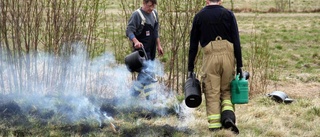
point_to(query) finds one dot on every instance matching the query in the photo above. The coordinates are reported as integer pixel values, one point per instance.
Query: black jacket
(210, 22)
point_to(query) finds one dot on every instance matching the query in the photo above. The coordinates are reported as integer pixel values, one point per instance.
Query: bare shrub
(260, 65)
(273, 10)
(29, 26)
(282, 5)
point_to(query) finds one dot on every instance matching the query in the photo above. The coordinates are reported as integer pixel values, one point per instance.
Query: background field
(280, 41)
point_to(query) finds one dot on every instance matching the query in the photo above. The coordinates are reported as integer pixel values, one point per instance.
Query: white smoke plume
(70, 84)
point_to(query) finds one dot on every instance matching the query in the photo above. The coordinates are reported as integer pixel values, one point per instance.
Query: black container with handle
(192, 92)
(134, 61)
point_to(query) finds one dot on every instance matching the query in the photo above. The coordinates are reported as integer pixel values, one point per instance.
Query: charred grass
(19, 120)
(293, 44)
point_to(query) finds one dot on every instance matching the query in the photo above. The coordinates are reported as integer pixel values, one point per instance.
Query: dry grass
(293, 42)
(293, 38)
(264, 117)
(288, 35)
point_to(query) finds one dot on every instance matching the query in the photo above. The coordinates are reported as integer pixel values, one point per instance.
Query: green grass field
(293, 43)
(293, 40)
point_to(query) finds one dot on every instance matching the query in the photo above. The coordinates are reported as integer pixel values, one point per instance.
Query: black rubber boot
(228, 123)
(228, 120)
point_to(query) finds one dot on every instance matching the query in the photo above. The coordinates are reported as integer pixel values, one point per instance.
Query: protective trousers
(218, 68)
(144, 87)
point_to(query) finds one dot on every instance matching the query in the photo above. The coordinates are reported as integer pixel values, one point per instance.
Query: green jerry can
(239, 90)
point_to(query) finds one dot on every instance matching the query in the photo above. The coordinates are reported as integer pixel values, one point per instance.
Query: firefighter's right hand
(138, 45)
(190, 74)
(239, 71)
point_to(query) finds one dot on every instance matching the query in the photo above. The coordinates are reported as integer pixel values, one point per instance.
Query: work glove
(239, 71)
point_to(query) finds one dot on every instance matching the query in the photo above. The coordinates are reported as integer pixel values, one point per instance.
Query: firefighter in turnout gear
(142, 30)
(145, 85)
(215, 28)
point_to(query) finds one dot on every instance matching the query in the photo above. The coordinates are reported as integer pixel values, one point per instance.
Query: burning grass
(293, 43)
(27, 120)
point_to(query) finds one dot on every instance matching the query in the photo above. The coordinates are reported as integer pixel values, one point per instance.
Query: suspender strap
(143, 18)
(155, 17)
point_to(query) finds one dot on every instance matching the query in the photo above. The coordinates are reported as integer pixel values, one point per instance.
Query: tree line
(53, 26)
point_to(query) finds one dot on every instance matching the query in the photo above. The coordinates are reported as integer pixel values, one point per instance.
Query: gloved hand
(190, 74)
(239, 71)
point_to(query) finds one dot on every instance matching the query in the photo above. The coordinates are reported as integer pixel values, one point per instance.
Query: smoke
(75, 86)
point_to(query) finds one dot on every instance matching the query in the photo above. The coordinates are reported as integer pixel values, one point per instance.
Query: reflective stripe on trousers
(218, 71)
(227, 105)
(144, 91)
(214, 121)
